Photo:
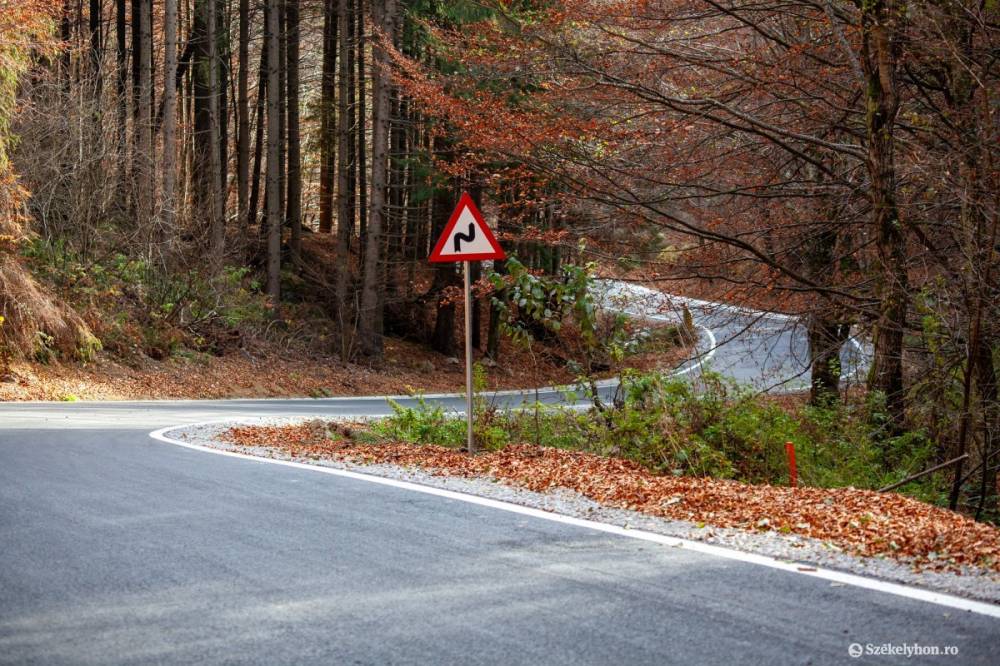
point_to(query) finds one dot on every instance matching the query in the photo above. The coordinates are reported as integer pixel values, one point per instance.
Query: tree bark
(361, 116)
(169, 116)
(328, 117)
(258, 137)
(273, 166)
(827, 336)
(282, 109)
(294, 208)
(445, 275)
(96, 47)
(136, 50)
(207, 169)
(121, 80)
(224, 58)
(216, 94)
(144, 137)
(243, 111)
(879, 50)
(345, 213)
(369, 322)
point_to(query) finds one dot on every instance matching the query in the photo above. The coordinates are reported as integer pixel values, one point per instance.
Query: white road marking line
(896, 589)
(700, 362)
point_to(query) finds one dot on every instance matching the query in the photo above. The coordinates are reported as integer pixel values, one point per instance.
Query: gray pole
(468, 358)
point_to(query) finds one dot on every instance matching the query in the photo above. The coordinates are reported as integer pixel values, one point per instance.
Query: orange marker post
(793, 472)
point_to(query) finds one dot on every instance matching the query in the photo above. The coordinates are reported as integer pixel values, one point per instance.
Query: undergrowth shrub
(704, 427)
(133, 305)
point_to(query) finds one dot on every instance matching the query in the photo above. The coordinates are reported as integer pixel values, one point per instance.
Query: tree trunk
(327, 117)
(96, 47)
(282, 109)
(136, 50)
(294, 209)
(224, 58)
(258, 137)
(169, 116)
(243, 111)
(345, 214)
(827, 336)
(121, 81)
(206, 168)
(144, 138)
(445, 275)
(827, 330)
(361, 118)
(273, 151)
(215, 165)
(369, 328)
(352, 108)
(879, 52)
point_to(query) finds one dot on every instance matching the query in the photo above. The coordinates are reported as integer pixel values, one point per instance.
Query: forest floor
(277, 372)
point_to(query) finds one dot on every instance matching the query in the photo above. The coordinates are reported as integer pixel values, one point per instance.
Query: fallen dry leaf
(863, 522)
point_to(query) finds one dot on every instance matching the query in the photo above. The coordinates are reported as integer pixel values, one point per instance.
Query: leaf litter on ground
(861, 522)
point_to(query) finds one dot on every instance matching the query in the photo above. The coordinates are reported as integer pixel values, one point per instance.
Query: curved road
(116, 548)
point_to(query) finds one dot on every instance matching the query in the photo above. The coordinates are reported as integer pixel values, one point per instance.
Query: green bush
(710, 427)
(423, 424)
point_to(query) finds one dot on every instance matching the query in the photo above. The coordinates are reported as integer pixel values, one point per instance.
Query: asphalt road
(766, 350)
(119, 549)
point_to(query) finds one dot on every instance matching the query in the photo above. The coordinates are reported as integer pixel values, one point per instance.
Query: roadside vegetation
(706, 427)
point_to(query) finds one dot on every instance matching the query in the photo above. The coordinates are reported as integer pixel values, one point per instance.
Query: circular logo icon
(855, 650)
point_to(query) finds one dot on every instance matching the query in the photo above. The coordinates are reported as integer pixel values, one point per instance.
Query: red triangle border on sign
(465, 201)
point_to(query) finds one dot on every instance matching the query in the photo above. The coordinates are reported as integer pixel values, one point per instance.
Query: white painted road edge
(918, 594)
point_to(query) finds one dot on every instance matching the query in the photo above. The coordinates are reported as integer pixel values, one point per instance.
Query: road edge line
(896, 589)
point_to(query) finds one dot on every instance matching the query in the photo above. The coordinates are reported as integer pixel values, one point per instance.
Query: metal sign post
(467, 238)
(469, 443)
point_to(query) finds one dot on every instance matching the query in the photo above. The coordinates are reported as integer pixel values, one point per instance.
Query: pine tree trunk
(328, 117)
(217, 219)
(273, 150)
(135, 17)
(144, 137)
(345, 214)
(369, 328)
(258, 150)
(361, 119)
(224, 58)
(445, 275)
(121, 80)
(282, 109)
(294, 209)
(206, 164)
(243, 111)
(169, 116)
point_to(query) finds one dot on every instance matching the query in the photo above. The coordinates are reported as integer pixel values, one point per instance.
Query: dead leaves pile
(863, 522)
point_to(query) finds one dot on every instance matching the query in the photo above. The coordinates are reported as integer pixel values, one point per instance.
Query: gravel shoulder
(972, 583)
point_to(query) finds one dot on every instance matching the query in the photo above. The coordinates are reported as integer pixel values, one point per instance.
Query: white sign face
(467, 237)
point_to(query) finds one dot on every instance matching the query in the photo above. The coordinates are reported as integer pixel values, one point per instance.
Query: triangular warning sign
(466, 236)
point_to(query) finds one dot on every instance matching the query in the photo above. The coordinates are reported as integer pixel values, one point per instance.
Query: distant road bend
(116, 548)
